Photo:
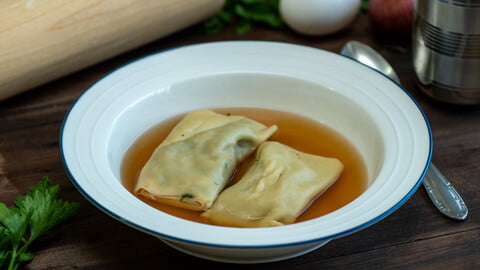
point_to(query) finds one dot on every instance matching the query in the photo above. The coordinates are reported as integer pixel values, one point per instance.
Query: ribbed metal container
(446, 49)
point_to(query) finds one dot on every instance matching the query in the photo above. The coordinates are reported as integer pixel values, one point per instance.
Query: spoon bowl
(369, 57)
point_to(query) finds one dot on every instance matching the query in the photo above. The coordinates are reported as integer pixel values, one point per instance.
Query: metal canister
(446, 49)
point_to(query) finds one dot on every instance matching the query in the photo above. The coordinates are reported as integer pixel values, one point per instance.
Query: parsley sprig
(32, 216)
(243, 13)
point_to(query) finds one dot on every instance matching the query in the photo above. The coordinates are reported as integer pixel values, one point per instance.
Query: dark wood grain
(415, 236)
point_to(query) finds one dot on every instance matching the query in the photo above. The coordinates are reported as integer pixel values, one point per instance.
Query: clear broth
(299, 132)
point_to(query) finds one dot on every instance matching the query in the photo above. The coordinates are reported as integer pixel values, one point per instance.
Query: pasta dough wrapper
(198, 157)
(276, 189)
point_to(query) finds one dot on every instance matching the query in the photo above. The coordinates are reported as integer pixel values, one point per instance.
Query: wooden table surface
(415, 236)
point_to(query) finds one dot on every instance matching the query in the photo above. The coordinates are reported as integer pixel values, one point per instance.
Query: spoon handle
(443, 194)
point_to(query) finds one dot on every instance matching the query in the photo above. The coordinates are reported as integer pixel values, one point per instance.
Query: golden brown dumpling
(275, 189)
(198, 158)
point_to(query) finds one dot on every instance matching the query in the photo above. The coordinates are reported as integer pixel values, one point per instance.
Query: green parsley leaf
(3, 257)
(3, 236)
(14, 223)
(364, 6)
(186, 196)
(259, 13)
(47, 211)
(243, 27)
(4, 239)
(244, 13)
(32, 216)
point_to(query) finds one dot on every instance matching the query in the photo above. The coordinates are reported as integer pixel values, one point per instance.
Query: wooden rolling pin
(41, 40)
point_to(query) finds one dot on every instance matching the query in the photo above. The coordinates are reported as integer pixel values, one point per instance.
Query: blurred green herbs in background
(364, 6)
(243, 13)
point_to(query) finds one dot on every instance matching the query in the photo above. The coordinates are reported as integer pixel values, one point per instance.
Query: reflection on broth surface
(295, 131)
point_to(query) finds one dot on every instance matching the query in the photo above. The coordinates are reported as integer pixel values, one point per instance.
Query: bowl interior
(373, 113)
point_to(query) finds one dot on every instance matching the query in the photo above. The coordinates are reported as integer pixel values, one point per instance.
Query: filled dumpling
(276, 189)
(197, 159)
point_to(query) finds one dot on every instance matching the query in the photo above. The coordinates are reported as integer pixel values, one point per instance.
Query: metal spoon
(438, 188)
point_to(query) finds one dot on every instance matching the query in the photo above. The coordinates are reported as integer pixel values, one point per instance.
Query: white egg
(318, 17)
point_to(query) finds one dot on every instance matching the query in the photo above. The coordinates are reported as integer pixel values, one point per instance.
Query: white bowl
(371, 111)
